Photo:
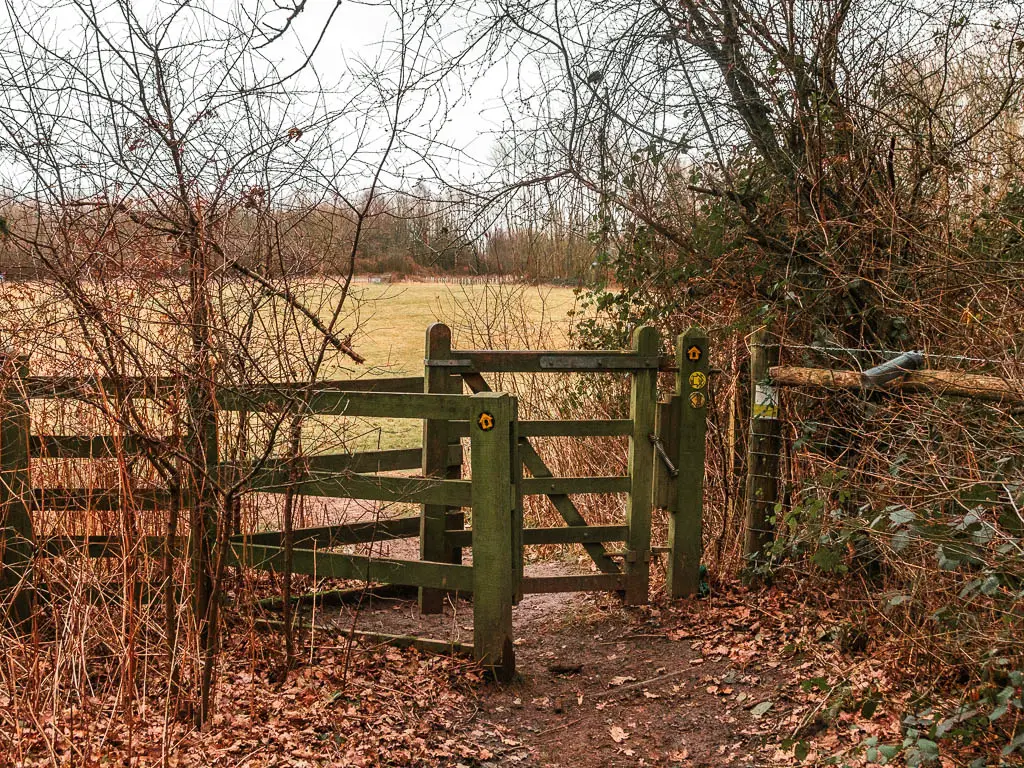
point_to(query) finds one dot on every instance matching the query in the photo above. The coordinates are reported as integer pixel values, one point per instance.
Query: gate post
(685, 522)
(17, 541)
(494, 516)
(643, 406)
(435, 519)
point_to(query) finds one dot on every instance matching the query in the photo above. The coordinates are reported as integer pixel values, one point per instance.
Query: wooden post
(685, 523)
(762, 491)
(494, 515)
(17, 541)
(205, 450)
(643, 405)
(434, 518)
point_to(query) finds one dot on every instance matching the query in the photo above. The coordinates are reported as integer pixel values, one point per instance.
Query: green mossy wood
(686, 514)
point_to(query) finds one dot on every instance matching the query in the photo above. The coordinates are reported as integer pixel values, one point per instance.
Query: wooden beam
(332, 402)
(80, 447)
(643, 405)
(685, 525)
(559, 428)
(332, 565)
(336, 535)
(560, 486)
(581, 534)
(550, 361)
(762, 487)
(594, 582)
(947, 383)
(494, 507)
(17, 539)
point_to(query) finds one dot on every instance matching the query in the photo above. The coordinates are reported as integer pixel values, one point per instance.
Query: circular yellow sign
(698, 380)
(485, 421)
(697, 400)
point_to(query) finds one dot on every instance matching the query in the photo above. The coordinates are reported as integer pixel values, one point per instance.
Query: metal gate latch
(659, 448)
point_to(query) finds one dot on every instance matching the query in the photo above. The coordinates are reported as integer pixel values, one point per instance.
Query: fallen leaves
(618, 734)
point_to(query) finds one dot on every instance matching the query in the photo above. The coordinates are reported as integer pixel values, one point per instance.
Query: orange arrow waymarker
(693, 353)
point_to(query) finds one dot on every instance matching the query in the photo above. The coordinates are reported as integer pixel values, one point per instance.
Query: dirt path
(697, 684)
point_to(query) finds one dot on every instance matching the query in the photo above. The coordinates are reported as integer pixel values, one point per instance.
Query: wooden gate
(665, 468)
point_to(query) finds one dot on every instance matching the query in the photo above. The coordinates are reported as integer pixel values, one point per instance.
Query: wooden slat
(330, 402)
(97, 499)
(100, 546)
(48, 387)
(642, 409)
(596, 582)
(549, 361)
(428, 644)
(548, 486)
(337, 535)
(576, 428)
(80, 447)
(413, 490)
(332, 565)
(412, 384)
(560, 428)
(583, 534)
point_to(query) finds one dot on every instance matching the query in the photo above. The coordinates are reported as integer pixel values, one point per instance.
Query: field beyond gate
(665, 468)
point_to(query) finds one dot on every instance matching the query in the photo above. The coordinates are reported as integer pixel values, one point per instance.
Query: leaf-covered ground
(738, 679)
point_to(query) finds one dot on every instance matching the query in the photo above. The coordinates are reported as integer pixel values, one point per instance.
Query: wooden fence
(665, 468)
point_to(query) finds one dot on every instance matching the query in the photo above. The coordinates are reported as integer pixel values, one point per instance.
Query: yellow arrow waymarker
(693, 353)
(485, 421)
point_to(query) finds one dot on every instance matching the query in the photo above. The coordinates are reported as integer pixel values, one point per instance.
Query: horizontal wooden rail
(594, 582)
(548, 361)
(560, 428)
(546, 486)
(414, 490)
(579, 534)
(79, 387)
(96, 498)
(101, 546)
(331, 402)
(49, 387)
(362, 461)
(420, 573)
(80, 447)
(337, 535)
(953, 383)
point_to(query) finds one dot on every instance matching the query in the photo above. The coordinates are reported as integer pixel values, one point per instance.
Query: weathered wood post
(643, 405)
(494, 518)
(437, 440)
(685, 523)
(762, 491)
(17, 541)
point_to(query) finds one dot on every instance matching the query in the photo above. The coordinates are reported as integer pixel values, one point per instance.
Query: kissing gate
(665, 469)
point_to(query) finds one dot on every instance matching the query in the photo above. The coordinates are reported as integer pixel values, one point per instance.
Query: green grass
(391, 322)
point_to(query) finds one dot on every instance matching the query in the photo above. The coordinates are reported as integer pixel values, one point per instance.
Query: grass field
(387, 322)
(391, 326)
(393, 318)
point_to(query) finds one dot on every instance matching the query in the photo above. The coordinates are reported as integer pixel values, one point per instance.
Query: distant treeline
(402, 236)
